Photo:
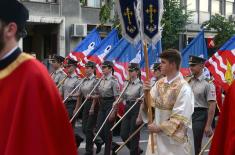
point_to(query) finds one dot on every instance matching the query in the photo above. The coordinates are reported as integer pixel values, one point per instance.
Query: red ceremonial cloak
(33, 120)
(223, 142)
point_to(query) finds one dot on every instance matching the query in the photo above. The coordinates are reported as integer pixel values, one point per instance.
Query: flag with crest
(222, 64)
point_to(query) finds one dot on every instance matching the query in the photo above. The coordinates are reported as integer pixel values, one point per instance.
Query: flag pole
(147, 94)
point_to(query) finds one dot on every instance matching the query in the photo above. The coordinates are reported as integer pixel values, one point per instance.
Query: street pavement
(124, 150)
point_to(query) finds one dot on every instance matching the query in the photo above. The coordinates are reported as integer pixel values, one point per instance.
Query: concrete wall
(71, 12)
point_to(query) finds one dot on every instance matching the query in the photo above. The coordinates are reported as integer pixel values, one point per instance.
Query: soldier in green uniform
(58, 74)
(133, 119)
(204, 102)
(90, 109)
(109, 91)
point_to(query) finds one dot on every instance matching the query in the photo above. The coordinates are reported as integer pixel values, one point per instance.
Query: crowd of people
(39, 111)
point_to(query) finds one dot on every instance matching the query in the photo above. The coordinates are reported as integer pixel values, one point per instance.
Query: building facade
(202, 10)
(56, 26)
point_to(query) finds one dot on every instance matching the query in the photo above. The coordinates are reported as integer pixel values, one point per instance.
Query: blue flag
(122, 52)
(92, 40)
(153, 55)
(197, 47)
(229, 45)
(121, 55)
(106, 45)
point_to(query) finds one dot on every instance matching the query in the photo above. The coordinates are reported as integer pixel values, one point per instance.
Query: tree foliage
(174, 21)
(222, 26)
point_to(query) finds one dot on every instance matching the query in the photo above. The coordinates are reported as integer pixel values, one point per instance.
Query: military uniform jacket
(109, 87)
(203, 91)
(87, 86)
(69, 84)
(58, 76)
(133, 91)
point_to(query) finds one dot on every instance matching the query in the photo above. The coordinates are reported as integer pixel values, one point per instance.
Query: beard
(2, 43)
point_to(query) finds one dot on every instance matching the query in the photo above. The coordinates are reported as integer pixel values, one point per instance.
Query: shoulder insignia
(209, 80)
(188, 78)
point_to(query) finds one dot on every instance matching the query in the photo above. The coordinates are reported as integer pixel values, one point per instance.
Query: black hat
(71, 61)
(14, 11)
(156, 66)
(90, 64)
(193, 60)
(133, 67)
(107, 64)
(58, 58)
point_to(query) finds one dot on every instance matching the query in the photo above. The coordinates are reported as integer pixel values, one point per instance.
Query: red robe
(223, 142)
(33, 120)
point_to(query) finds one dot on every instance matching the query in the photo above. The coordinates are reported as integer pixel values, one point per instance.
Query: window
(93, 3)
(215, 6)
(204, 5)
(229, 8)
(191, 5)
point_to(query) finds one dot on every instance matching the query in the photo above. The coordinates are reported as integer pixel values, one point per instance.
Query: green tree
(222, 26)
(174, 21)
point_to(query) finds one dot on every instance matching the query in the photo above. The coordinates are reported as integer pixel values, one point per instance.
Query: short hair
(20, 33)
(173, 56)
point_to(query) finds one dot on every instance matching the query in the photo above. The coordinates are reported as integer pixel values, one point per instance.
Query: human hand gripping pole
(115, 102)
(76, 113)
(62, 82)
(73, 90)
(136, 102)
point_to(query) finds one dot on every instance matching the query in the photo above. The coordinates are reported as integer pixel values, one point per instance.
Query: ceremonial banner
(126, 12)
(151, 15)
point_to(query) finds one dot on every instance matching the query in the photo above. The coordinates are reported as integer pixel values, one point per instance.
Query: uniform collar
(72, 75)
(137, 80)
(9, 57)
(90, 77)
(201, 77)
(108, 76)
(59, 70)
(169, 82)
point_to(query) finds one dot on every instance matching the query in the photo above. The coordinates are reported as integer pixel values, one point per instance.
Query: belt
(130, 101)
(200, 109)
(108, 98)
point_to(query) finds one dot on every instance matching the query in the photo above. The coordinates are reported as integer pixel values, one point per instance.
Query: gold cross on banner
(129, 14)
(151, 10)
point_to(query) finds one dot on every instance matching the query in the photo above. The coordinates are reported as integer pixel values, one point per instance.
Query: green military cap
(193, 60)
(107, 64)
(58, 58)
(14, 11)
(156, 66)
(90, 64)
(71, 61)
(133, 67)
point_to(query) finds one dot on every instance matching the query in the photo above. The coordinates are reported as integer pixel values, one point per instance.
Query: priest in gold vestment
(173, 101)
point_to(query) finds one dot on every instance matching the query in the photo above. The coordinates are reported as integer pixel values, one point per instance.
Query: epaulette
(209, 80)
(188, 78)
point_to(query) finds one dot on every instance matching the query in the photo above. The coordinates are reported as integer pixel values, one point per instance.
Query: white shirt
(9, 53)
